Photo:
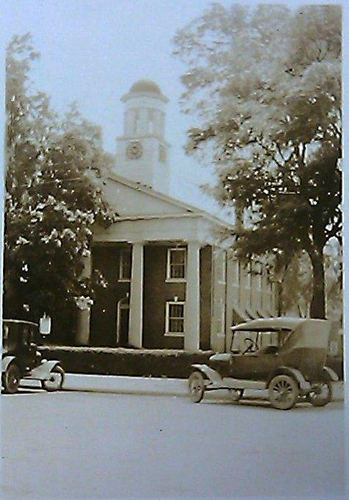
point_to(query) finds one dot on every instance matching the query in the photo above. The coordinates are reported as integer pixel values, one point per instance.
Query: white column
(136, 298)
(192, 303)
(84, 315)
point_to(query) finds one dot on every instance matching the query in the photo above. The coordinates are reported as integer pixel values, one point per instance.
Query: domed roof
(145, 86)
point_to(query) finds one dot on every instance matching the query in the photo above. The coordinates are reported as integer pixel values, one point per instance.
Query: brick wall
(205, 296)
(103, 314)
(157, 291)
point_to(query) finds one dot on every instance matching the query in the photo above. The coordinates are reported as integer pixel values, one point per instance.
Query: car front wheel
(283, 392)
(55, 381)
(196, 385)
(11, 379)
(320, 394)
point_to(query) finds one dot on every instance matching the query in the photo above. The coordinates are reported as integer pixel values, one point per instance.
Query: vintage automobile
(21, 359)
(284, 355)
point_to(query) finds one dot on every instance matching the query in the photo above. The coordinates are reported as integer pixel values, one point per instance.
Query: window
(125, 265)
(176, 258)
(248, 285)
(269, 294)
(174, 318)
(221, 318)
(151, 121)
(249, 276)
(257, 268)
(135, 122)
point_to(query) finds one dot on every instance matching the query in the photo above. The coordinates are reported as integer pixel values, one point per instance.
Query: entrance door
(122, 322)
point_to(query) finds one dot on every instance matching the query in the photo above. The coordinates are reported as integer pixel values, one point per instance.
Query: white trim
(175, 280)
(235, 272)
(123, 303)
(121, 262)
(167, 318)
(223, 271)
(160, 217)
(168, 265)
(136, 295)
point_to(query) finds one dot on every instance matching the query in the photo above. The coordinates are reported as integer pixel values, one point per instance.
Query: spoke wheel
(11, 379)
(196, 385)
(283, 392)
(55, 382)
(320, 394)
(236, 394)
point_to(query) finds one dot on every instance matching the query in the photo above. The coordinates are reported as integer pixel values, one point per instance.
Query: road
(73, 445)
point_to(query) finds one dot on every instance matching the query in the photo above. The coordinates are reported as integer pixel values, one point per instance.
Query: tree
(265, 84)
(53, 196)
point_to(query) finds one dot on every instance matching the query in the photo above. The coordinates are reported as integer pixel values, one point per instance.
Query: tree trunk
(318, 303)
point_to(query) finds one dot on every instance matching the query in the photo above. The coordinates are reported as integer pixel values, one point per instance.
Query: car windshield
(254, 340)
(18, 334)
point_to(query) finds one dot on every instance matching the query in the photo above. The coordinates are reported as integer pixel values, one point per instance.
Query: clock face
(134, 150)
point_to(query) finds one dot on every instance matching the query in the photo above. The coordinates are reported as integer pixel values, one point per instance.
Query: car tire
(283, 392)
(11, 379)
(236, 394)
(320, 394)
(56, 380)
(196, 386)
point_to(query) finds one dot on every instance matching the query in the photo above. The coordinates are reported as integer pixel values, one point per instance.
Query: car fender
(43, 371)
(330, 374)
(208, 373)
(292, 372)
(6, 361)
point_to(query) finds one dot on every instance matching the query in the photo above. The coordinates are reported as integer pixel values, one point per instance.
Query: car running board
(235, 383)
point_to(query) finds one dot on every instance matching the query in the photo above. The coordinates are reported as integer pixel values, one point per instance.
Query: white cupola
(142, 152)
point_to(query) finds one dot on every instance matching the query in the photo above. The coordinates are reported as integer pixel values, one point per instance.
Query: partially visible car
(21, 359)
(286, 356)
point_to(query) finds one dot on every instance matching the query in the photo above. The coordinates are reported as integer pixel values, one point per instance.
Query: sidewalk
(125, 385)
(153, 386)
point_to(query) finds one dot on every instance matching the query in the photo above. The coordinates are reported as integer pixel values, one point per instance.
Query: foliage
(53, 195)
(265, 84)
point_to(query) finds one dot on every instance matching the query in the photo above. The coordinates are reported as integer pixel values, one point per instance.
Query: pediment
(130, 198)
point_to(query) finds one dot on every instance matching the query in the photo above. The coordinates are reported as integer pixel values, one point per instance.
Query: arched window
(151, 121)
(136, 122)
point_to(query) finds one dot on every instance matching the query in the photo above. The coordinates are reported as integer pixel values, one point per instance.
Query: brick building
(171, 284)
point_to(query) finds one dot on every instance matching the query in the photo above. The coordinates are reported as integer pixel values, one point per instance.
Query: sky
(92, 51)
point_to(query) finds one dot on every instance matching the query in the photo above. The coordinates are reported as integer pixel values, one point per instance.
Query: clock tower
(142, 152)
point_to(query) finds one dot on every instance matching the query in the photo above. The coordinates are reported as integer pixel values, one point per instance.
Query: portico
(191, 234)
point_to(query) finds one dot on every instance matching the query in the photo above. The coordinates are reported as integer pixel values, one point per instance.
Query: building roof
(189, 209)
(145, 86)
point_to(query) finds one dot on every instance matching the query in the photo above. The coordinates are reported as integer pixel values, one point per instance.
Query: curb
(153, 386)
(125, 385)
(147, 386)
